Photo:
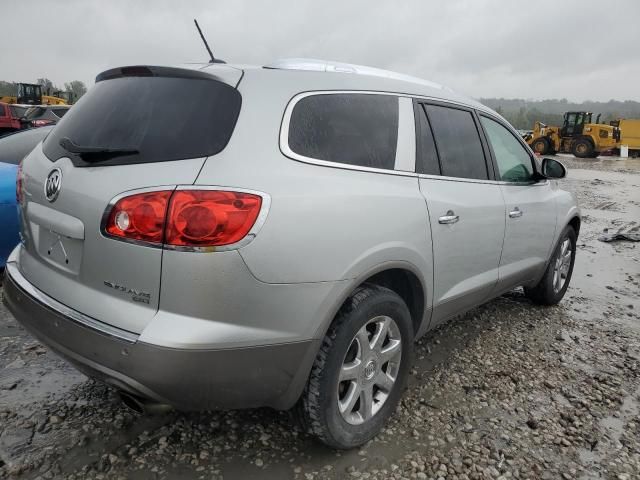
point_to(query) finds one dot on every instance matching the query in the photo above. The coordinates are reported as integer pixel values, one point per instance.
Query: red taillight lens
(139, 217)
(41, 123)
(210, 217)
(19, 194)
(184, 218)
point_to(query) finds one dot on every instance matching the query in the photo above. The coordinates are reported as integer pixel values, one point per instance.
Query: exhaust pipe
(142, 406)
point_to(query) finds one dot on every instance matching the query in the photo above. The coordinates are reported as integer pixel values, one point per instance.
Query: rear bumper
(189, 379)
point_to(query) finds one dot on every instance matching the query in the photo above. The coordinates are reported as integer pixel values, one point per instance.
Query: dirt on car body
(509, 390)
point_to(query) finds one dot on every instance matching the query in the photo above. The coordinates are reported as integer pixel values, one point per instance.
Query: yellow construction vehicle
(629, 135)
(31, 94)
(578, 135)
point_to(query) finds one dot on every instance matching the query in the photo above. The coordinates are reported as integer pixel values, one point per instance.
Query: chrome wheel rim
(562, 264)
(369, 370)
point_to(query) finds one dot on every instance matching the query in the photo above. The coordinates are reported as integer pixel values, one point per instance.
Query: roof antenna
(213, 59)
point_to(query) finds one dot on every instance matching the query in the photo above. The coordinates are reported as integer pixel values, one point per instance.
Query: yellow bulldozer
(31, 94)
(578, 135)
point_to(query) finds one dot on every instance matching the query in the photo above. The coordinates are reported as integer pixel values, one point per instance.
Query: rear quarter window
(349, 128)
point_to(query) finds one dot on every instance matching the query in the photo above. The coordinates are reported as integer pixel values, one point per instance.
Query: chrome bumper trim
(61, 309)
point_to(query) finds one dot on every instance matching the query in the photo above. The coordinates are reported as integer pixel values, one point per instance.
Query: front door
(530, 216)
(466, 208)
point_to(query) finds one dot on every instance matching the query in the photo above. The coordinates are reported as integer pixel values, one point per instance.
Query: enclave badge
(53, 184)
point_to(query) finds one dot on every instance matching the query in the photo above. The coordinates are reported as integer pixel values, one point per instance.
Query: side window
(514, 162)
(426, 154)
(355, 129)
(458, 142)
(59, 112)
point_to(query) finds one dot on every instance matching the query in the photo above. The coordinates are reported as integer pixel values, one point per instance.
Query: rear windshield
(34, 112)
(18, 111)
(147, 119)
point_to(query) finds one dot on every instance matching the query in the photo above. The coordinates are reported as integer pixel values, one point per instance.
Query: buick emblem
(53, 184)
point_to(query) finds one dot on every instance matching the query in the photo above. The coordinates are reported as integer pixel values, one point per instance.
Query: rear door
(167, 121)
(466, 208)
(530, 207)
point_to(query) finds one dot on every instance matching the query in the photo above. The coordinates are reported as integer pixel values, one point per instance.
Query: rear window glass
(156, 119)
(34, 112)
(458, 142)
(355, 129)
(16, 146)
(18, 111)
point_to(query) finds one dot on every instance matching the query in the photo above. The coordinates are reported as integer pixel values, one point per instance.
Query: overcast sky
(576, 49)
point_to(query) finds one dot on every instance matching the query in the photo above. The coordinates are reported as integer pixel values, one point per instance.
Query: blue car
(13, 148)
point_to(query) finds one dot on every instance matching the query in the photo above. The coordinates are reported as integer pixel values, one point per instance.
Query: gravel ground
(509, 390)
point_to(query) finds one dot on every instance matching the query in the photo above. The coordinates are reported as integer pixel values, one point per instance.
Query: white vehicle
(220, 236)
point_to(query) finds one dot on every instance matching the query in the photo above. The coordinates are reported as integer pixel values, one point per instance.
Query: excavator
(31, 94)
(578, 135)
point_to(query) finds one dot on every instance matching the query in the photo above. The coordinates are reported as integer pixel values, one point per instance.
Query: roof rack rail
(316, 65)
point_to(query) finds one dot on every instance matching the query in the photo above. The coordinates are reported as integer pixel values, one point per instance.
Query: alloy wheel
(562, 265)
(369, 370)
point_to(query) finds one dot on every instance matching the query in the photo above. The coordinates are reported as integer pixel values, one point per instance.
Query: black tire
(544, 293)
(318, 406)
(541, 146)
(595, 155)
(582, 148)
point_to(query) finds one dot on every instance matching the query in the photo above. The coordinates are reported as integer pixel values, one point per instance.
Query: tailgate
(66, 256)
(138, 128)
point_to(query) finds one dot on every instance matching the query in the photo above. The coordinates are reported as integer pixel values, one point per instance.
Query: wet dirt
(509, 390)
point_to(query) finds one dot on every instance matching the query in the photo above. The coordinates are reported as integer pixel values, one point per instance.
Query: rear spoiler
(173, 72)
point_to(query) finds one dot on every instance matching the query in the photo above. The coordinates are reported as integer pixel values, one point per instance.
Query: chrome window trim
(284, 138)
(475, 180)
(248, 238)
(23, 284)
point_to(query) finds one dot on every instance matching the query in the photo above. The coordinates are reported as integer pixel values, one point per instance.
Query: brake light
(41, 123)
(139, 217)
(184, 218)
(210, 217)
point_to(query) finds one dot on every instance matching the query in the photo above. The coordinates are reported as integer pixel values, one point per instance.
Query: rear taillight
(139, 217)
(19, 192)
(41, 123)
(210, 217)
(184, 218)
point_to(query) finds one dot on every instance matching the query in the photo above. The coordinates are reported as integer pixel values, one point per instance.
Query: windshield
(155, 118)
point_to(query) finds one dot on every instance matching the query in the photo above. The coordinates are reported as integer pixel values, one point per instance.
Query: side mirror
(553, 169)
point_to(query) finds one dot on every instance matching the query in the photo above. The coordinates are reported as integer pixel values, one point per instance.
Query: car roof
(305, 74)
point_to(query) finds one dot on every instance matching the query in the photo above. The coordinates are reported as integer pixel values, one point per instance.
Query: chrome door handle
(515, 213)
(449, 218)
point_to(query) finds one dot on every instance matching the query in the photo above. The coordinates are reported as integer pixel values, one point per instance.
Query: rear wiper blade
(94, 153)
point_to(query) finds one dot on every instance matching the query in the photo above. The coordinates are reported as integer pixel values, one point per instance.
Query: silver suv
(218, 236)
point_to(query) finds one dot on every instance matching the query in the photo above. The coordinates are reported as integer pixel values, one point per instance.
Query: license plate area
(59, 250)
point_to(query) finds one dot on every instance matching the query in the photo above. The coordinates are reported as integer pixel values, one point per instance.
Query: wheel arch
(403, 278)
(575, 222)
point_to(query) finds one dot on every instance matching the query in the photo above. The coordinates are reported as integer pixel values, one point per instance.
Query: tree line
(523, 114)
(76, 87)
